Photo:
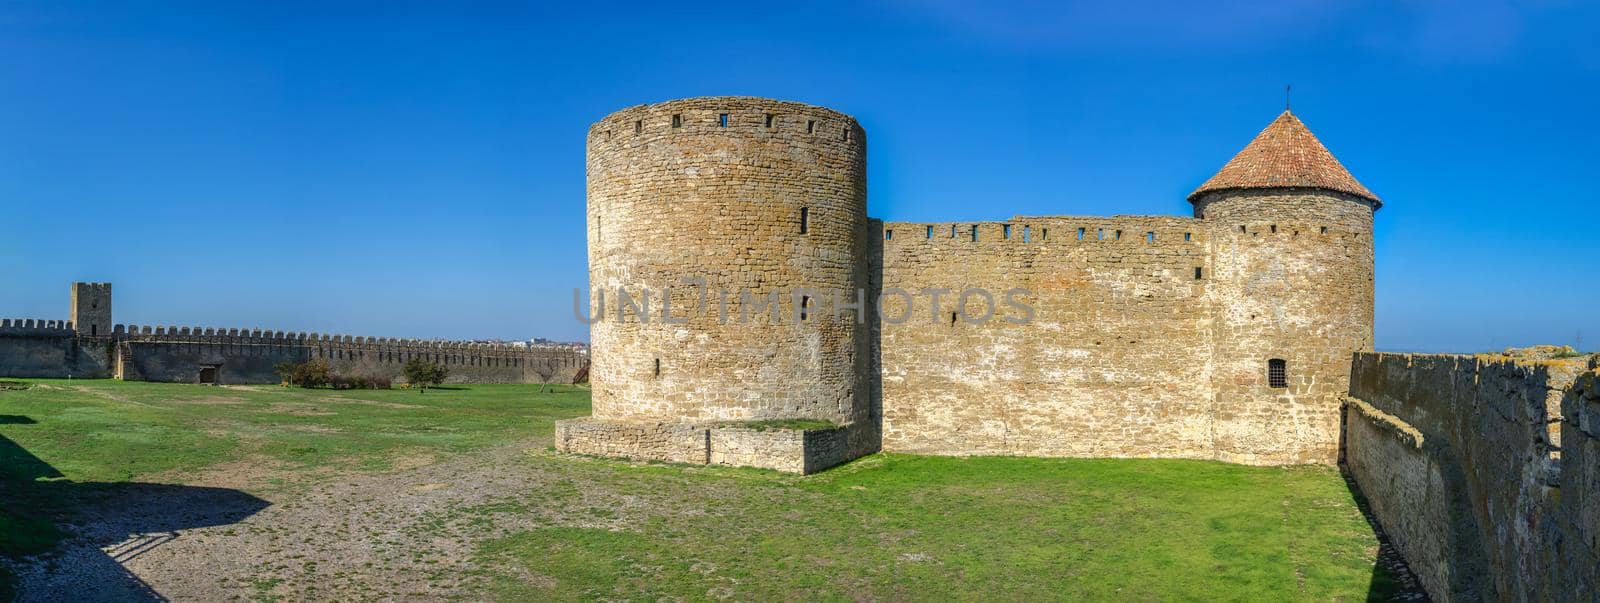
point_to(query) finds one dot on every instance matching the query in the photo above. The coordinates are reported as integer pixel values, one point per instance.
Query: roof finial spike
(1286, 89)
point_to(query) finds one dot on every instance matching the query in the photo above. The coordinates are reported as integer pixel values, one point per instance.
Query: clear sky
(408, 169)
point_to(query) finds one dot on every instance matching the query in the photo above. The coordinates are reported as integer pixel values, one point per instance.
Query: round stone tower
(1292, 294)
(762, 201)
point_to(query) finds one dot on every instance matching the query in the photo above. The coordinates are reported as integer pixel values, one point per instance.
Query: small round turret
(1293, 292)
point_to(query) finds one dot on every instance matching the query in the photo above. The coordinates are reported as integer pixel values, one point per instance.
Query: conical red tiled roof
(1285, 155)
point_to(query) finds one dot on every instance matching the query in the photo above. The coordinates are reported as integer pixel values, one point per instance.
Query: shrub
(360, 382)
(311, 373)
(422, 373)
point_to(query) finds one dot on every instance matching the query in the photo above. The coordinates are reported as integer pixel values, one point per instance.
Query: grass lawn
(886, 527)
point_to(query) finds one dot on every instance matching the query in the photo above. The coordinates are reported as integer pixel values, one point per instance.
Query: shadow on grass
(112, 523)
(1392, 579)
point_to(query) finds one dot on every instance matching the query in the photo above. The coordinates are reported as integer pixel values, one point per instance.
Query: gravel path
(397, 535)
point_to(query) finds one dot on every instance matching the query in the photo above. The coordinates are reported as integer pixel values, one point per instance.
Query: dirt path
(397, 535)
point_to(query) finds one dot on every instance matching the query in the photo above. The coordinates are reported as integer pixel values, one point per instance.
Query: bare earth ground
(372, 536)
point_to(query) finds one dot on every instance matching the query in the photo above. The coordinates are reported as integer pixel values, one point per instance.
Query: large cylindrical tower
(1292, 295)
(764, 202)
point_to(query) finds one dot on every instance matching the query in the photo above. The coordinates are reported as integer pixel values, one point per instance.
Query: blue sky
(409, 169)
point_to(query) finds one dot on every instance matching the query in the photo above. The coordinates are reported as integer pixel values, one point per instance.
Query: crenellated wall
(1150, 336)
(1115, 360)
(50, 349)
(177, 354)
(36, 327)
(1483, 471)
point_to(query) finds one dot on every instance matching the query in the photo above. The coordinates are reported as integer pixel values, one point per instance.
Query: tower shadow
(70, 540)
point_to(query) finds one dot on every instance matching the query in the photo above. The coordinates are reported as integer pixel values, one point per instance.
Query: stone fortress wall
(1150, 336)
(1115, 361)
(61, 349)
(50, 348)
(1483, 471)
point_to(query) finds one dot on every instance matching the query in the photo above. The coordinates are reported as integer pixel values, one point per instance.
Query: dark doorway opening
(208, 374)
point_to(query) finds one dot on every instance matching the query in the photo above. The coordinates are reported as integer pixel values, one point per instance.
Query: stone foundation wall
(1482, 471)
(669, 442)
(789, 450)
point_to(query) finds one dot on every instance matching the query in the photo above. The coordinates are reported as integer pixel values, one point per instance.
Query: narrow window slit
(805, 220)
(722, 120)
(677, 121)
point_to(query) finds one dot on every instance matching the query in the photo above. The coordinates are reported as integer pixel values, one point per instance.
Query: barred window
(1277, 373)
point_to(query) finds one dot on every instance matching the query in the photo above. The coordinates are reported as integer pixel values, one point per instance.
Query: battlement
(727, 116)
(1060, 230)
(36, 327)
(269, 337)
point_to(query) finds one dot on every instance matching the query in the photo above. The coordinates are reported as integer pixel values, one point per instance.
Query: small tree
(422, 373)
(545, 370)
(285, 371)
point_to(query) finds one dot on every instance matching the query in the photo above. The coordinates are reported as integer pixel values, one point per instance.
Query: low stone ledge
(669, 442)
(802, 451)
(1403, 430)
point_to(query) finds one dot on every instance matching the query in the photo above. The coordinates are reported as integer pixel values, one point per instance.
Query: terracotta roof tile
(1284, 155)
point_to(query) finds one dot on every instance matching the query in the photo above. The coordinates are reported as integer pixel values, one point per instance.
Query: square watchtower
(91, 309)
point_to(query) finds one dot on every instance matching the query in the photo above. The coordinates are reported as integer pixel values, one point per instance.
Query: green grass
(930, 528)
(888, 526)
(106, 431)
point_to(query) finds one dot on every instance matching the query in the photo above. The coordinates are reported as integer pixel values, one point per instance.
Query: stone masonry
(1483, 470)
(1226, 335)
(91, 346)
